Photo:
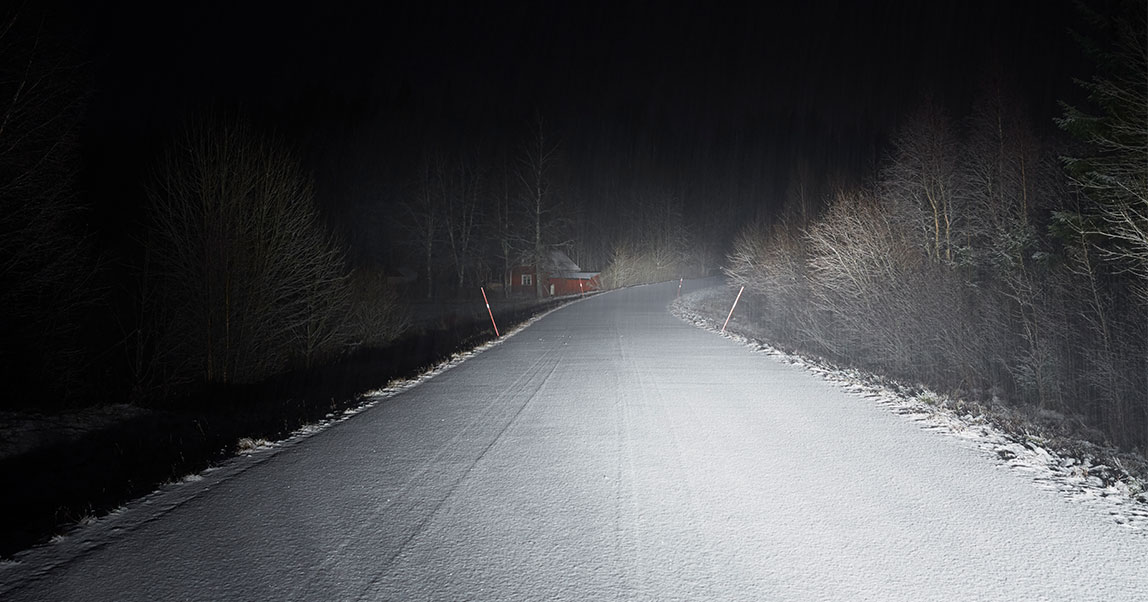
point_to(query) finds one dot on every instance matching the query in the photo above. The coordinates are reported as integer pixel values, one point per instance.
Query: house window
(528, 280)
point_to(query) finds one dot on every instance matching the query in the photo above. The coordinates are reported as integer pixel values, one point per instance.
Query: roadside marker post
(581, 291)
(490, 313)
(731, 310)
(680, 280)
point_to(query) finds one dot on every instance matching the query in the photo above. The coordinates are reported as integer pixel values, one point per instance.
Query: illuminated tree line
(976, 262)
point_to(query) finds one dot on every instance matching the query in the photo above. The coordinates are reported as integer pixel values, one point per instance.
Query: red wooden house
(561, 276)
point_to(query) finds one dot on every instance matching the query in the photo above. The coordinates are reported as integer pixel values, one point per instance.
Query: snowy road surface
(608, 452)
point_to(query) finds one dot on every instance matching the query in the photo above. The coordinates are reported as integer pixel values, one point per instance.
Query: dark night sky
(658, 87)
(610, 64)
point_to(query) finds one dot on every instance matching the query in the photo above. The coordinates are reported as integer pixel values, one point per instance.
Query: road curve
(608, 452)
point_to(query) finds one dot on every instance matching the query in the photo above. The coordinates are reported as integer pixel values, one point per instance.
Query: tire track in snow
(625, 524)
(405, 501)
(545, 365)
(664, 501)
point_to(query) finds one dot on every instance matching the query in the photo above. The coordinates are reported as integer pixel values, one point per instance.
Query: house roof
(560, 262)
(559, 265)
(564, 267)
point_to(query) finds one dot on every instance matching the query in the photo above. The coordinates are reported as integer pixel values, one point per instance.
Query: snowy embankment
(1112, 482)
(372, 398)
(94, 532)
(62, 470)
(609, 451)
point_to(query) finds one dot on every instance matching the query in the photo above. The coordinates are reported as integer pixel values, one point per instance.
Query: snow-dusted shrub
(888, 305)
(771, 262)
(377, 316)
(641, 264)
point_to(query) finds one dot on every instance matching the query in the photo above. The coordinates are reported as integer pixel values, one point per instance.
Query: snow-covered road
(608, 452)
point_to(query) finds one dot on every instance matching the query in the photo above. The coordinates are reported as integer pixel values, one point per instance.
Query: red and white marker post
(484, 300)
(731, 310)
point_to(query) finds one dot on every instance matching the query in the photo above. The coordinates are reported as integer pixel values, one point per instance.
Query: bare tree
(251, 276)
(462, 186)
(422, 216)
(772, 263)
(888, 303)
(504, 225)
(801, 194)
(47, 265)
(922, 177)
(442, 218)
(1114, 175)
(1106, 377)
(1007, 185)
(656, 243)
(538, 204)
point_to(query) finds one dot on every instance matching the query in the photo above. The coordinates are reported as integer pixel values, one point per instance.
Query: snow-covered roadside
(1112, 482)
(22, 432)
(396, 386)
(95, 532)
(611, 451)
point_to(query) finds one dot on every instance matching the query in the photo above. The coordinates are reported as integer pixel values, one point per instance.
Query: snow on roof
(560, 262)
